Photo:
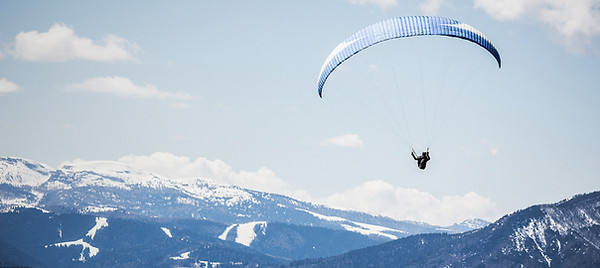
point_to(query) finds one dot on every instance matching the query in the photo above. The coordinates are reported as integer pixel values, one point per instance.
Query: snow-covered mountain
(20, 172)
(276, 226)
(565, 234)
(103, 187)
(109, 214)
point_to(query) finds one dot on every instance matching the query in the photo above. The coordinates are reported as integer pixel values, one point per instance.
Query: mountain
(270, 225)
(31, 237)
(103, 187)
(565, 234)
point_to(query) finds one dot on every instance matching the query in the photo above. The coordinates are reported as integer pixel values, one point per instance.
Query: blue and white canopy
(398, 28)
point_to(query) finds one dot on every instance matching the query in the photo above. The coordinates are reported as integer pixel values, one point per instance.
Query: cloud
(8, 86)
(575, 24)
(376, 197)
(382, 198)
(123, 87)
(60, 43)
(431, 7)
(181, 167)
(383, 4)
(348, 140)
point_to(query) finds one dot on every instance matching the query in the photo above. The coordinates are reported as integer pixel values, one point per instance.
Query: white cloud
(348, 140)
(60, 43)
(123, 87)
(383, 4)
(376, 197)
(382, 198)
(431, 7)
(181, 167)
(575, 24)
(505, 9)
(8, 86)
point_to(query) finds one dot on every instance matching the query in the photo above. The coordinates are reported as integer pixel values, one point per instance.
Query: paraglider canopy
(398, 28)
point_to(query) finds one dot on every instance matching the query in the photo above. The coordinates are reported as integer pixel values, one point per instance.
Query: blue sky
(226, 90)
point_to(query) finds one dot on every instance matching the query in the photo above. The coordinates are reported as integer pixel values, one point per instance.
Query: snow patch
(369, 229)
(182, 256)
(358, 227)
(536, 231)
(97, 209)
(212, 264)
(245, 232)
(100, 223)
(223, 236)
(91, 250)
(323, 217)
(167, 232)
(589, 220)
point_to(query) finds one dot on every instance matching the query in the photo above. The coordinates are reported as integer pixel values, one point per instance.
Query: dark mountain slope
(30, 237)
(566, 234)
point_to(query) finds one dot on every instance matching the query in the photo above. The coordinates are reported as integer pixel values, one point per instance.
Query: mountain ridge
(106, 187)
(90, 209)
(564, 234)
(274, 225)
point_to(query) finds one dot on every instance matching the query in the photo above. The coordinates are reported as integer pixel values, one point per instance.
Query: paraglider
(421, 159)
(401, 27)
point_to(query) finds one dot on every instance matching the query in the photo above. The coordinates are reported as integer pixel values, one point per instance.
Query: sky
(227, 90)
